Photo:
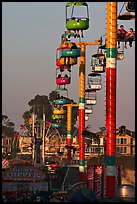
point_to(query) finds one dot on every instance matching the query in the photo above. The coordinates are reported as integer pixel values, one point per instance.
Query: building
(125, 144)
(6, 144)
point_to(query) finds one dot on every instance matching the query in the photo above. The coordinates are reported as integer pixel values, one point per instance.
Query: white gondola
(98, 63)
(90, 97)
(94, 81)
(88, 111)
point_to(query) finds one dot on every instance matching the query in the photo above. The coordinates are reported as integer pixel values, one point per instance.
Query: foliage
(90, 136)
(43, 104)
(52, 96)
(7, 126)
(26, 116)
(39, 105)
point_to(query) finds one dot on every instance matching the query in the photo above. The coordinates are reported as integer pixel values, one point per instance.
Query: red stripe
(110, 111)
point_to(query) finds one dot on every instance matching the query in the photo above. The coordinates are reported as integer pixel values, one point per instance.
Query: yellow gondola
(59, 112)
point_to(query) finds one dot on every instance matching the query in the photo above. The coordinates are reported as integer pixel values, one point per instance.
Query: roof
(130, 133)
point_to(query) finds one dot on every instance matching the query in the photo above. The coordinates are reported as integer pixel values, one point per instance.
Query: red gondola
(54, 165)
(62, 80)
(63, 77)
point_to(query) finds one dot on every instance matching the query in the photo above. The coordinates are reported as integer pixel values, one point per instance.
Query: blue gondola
(56, 125)
(62, 101)
(70, 53)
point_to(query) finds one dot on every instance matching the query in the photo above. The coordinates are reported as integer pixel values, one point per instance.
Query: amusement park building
(125, 145)
(6, 144)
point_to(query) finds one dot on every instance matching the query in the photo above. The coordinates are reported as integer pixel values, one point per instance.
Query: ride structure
(111, 98)
(100, 63)
(82, 106)
(75, 23)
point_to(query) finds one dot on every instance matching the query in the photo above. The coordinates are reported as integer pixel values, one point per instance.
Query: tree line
(38, 105)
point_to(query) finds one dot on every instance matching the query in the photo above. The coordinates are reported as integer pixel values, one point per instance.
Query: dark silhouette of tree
(53, 96)
(26, 116)
(38, 106)
(89, 136)
(43, 103)
(7, 126)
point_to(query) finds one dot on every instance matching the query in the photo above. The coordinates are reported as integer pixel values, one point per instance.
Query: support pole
(69, 127)
(111, 98)
(82, 105)
(43, 140)
(82, 113)
(33, 135)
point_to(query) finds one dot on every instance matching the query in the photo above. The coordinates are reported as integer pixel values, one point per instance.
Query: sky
(31, 34)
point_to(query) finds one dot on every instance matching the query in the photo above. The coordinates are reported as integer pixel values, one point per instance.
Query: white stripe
(111, 62)
(81, 168)
(68, 136)
(81, 105)
(110, 170)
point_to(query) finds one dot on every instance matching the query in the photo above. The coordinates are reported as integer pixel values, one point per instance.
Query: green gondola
(76, 23)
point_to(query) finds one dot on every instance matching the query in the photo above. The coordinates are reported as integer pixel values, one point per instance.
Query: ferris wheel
(25, 140)
(53, 139)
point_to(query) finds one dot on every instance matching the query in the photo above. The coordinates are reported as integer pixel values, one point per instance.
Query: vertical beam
(33, 135)
(43, 139)
(69, 126)
(111, 98)
(82, 112)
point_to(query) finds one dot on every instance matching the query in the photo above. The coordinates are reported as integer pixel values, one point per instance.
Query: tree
(38, 106)
(7, 126)
(26, 116)
(43, 104)
(52, 96)
(89, 136)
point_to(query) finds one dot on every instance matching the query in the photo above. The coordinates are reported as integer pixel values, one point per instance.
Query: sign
(25, 173)
(95, 177)
(23, 187)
